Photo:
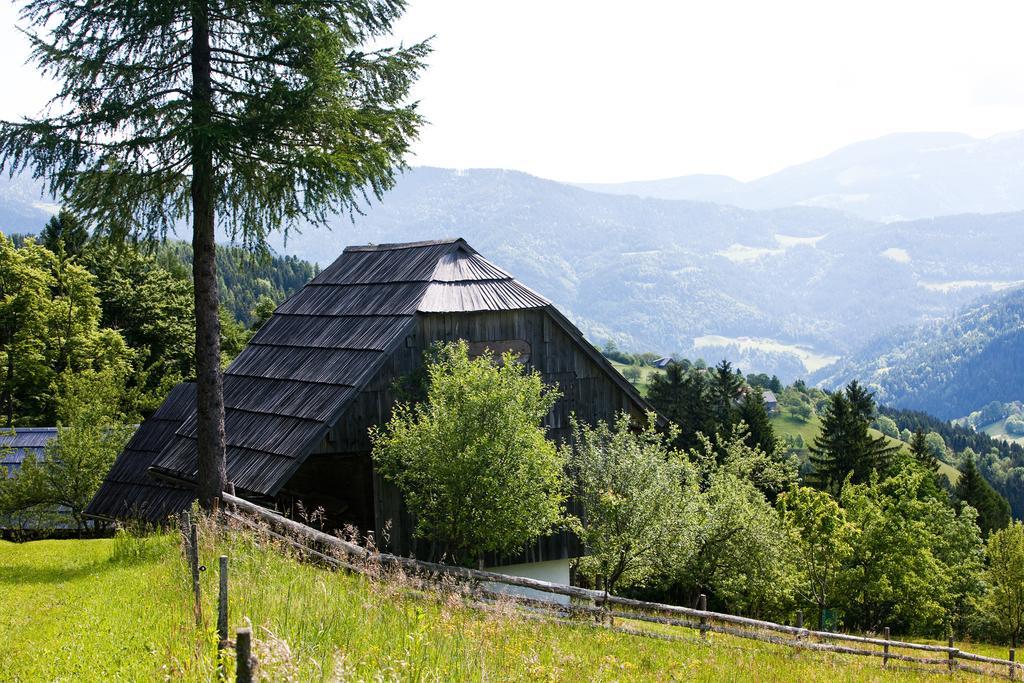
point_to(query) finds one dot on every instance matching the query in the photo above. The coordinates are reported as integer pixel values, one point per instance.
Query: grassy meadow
(997, 430)
(120, 609)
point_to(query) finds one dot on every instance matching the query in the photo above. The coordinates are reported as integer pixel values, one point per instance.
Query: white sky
(587, 90)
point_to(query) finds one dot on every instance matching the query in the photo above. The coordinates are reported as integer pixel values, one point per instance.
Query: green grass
(785, 423)
(646, 372)
(105, 609)
(997, 431)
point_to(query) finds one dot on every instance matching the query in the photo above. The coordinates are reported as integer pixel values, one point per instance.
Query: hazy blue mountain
(781, 290)
(897, 177)
(949, 367)
(699, 187)
(24, 208)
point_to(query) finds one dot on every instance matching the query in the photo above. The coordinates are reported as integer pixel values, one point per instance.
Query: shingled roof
(19, 442)
(301, 370)
(321, 346)
(129, 490)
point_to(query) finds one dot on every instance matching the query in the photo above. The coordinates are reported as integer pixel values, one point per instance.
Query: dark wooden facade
(339, 474)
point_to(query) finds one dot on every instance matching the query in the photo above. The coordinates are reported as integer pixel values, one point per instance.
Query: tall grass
(120, 609)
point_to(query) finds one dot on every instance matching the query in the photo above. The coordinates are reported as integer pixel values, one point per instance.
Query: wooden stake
(243, 648)
(222, 604)
(1013, 667)
(195, 574)
(702, 605)
(952, 652)
(185, 526)
(885, 648)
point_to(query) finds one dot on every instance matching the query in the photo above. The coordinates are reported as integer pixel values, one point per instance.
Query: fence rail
(606, 607)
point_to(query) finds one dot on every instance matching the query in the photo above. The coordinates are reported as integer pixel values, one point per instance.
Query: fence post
(194, 537)
(185, 526)
(952, 652)
(243, 650)
(1013, 667)
(702, 605)
(222, 605)
(885, 647)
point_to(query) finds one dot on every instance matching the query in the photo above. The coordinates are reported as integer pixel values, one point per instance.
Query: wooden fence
(606, 609)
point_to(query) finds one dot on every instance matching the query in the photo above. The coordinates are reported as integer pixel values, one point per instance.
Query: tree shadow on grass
(32, 573)
(24, 573)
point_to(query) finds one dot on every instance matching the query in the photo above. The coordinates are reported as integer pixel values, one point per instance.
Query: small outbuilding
(18, 443)
(328, 365)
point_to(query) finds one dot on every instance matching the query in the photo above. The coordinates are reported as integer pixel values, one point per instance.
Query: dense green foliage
(709, 402)
(628, 485)
(972, 489)
(999, 462)
(823, 538)
(472, 461)
(1006, 577)
(916, 564)
(49, 325)
(103, 305)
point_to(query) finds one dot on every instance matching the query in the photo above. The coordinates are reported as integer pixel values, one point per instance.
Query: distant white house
(662, 362)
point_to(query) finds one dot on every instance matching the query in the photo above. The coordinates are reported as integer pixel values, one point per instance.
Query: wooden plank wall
(586, 389)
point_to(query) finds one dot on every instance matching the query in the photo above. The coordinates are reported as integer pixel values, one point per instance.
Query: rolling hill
(949, 367)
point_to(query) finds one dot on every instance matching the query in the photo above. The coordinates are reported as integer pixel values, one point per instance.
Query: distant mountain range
(782, 290)
(948, 368)
(897, 177)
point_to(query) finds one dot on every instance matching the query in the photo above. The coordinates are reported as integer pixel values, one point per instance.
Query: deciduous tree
(823, 538)
(630, 485)
(1006, 578)
(472, 461)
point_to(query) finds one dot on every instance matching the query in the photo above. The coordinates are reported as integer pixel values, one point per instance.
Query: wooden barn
(300, 398)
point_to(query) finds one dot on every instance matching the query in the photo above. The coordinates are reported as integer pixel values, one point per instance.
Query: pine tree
(259, 114)
(922, 452)
(683, 397)
(64, 234)
(844, 445)
(725, 391)
(760, 433)
(972, 489)
(861, 400)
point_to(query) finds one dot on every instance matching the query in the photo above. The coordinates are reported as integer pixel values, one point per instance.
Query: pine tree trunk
(209, 384)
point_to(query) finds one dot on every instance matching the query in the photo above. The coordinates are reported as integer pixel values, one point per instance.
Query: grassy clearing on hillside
(646, 372)
(785, 423)
(997, 430)
(114, 609)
